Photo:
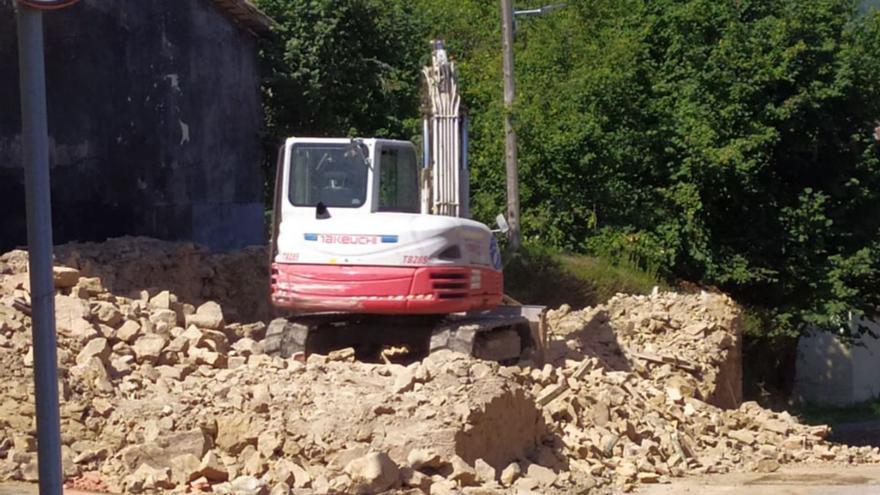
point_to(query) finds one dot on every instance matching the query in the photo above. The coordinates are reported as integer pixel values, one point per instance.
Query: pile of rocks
(161, 395)
(127, 265)
(647, 387)
(696, 338)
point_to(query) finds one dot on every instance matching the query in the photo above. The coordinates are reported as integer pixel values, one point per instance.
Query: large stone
(160, 452)
(90, 285)
(373, 473)
(216, 341)
(212, 468)
(148, 348)
(194, 335)
(420, 459)
(102, 407)
(97, 348)
(411, 478)
(129, 331)
(64, 277)
(510, 474)
(94, 374)
(249, 485)
(194, 442)
(280, 489)
(269, 442)
(208, 315)
(485, 472)
(302, 478)
(106, 313)
(211, 358)
(462, 472)
(148, 478)
(185, 468)
(743, 436)
(68, 311)
(235, 431)
(163, 319)
(247, 347)
(542, 475)
(162, 300)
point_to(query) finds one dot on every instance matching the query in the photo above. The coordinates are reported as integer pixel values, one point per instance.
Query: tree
(723, 142)
(342, 67)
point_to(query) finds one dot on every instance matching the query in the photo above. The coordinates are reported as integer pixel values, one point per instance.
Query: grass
(607, 278)
(541, 276)
(815, 414)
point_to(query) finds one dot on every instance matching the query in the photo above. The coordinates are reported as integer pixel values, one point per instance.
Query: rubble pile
(695, 337)
(635, 393)
(161, 395)
(127, 265)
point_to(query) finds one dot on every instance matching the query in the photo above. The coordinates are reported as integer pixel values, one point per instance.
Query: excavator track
(506, 334)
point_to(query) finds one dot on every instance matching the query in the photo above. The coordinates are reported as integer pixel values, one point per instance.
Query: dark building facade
(154, 122)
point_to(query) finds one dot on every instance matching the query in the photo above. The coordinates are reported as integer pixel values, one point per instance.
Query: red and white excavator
(372, 248)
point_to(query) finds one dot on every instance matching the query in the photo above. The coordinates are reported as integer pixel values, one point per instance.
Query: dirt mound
(161, 395)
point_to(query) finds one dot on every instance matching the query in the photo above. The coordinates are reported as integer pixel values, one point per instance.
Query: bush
(725, 142)
(541, 275)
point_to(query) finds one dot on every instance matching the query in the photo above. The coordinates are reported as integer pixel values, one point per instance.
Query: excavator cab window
(332, 174)
(398, 180)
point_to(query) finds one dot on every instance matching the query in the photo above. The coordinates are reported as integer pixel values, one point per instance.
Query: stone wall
(832, 372)
(154, 121)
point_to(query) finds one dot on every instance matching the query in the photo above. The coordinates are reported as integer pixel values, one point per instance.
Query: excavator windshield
(335, 174)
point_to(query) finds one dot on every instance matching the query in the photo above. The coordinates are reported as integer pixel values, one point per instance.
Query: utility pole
(507, 28)
(35, 155)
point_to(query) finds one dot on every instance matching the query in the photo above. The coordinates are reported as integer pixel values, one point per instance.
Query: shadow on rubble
(593, 337)
(511, 429)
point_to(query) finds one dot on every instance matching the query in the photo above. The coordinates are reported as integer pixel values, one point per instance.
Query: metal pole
(509, 132)
(35, 152)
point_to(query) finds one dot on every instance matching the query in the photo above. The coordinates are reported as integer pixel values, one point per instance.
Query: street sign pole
(35, 154)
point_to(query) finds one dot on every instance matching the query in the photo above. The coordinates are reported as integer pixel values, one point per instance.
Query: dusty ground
(793, 480)
(32, 489)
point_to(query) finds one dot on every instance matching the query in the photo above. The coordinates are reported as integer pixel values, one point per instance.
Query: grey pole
(509, 132)
(35, 151)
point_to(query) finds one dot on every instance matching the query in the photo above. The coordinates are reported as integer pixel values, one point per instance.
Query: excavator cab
(350, 235)
(331, 174)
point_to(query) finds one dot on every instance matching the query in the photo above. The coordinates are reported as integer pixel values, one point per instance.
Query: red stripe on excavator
(385, 290)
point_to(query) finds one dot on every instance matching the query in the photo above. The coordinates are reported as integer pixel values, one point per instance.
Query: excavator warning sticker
(357, 239)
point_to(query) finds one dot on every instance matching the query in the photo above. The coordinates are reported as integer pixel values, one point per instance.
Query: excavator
(371, 248)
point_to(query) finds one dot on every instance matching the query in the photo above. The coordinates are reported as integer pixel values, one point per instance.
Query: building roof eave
(247, 15)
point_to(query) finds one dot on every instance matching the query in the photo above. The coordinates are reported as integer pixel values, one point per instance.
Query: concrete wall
(831, 372)
(154, 120)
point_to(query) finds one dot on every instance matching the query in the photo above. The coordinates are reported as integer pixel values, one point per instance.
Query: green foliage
(342, 67)
(815, 414)
(724, 142)
(541, 275)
